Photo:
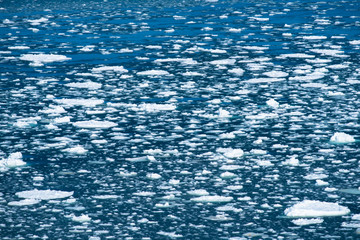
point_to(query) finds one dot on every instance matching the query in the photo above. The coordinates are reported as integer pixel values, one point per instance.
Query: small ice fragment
(293, 161)
(153, 73)
(153, 176)
(76, 150)
(236, 71)
(119, 69)
(312, 208)
(223, 113)
(81, 218)
(340, 137)
(233, 153)
(24, 202)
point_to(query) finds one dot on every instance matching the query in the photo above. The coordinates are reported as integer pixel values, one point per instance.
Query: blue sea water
(135, 108)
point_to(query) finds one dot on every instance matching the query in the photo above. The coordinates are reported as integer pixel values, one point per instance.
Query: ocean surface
(179, 119)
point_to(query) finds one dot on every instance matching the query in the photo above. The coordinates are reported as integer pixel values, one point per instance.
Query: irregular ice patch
(198, 192)
(312, 208)
(264, 80)
(223, 62)
(14, 160)
(237, 71)
(340, 137)
(272, 103)
(119, 69)
(76, 150)
(153, 73)
(305, 221)
(43, 194)
(212, 199)
(79, 102)
(153, 107)
(94, 124)
(276, 74)
(231, 153)
(40, 59)
(88, 85)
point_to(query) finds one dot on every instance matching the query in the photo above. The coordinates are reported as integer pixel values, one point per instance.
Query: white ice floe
(224, 113)
(144, 194)
(14, 160)
(223, 62)
(24, 202)
(355, 42)
(198, 192)
(264, 80)
(153, 73)
(272, 103)
(44, 194)
(212, 199)
(184, 61)
(314, 37)
(230, 152)
(104, 197)
(79, 102)
(296, 55)
(237, 71)
(153, 107)
(315, 176)
(118, 69)
(307, 221)
(227, 175)
(40, 59)
(153, 176)
(81, 218)
(312, 208)
(88, 85)
(53, 109)
(94, 124)
(76, 150)
(276, 74)
(18, 47)
(340, 137)
(293, 161)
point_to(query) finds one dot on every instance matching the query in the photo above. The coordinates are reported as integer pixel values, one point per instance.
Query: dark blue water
(131, 105)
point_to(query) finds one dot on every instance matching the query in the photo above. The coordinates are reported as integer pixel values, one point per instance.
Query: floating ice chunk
(38, 21)
(306, 221)
(328, 52)
(340, 137)
(144, 194)
(103, 197)
(355, 42)
(153, 73)
(141, 159)
(192, 74)
(227, 136)
(94, 124)
(315, 176)
(230, 167)
(44, 194)
(76, 150)
(119, 69)
(258, 151)
(232, 153)
(40, 59)
(237, 71)
(314, 37)
(296, 55)
(18, 47)
(198, 192)
(265, 163)
(223, 113)
(261, 116)
(212, 199)
(223, 62)
(24, 202)
(53, 109)
(153, 176)
(88, 85)
(79, 102)
(276, 74)
(264, 80)
(185, 61)
(272, 103)
(14, 160)
(81, 218)
(171, 234)
(153, 107)
(320, 182)
(235, 30)
(293, 161)
(227, 175)
(311, 208)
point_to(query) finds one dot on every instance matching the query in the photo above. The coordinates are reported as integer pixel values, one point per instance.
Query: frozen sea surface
(207, 119)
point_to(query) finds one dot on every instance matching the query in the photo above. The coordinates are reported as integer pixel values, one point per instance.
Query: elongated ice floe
(43, 194)
(340, 137)
(223, 62)
(312, 208)
(306, 221)
(79, 102)
(24, 202)
(212, 199)
(40, 59)
(94, 124)
(153, 107)
(152, 73)
(198, 192)
(119, 69)
(88, 85)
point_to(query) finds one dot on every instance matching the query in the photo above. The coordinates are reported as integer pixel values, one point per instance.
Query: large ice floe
(340, 137)
(313, 208)
(40, 59)
(212, 199)
(94, 124)
(35, 196)
(14, 160)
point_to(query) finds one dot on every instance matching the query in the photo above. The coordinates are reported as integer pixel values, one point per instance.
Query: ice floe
(14, 160)
(44, 194)
(212, 199)
(94, 124)
(340, 137)
(40, 59)
(153, 73)
(119, 69)
(313, 208)
(307, 221)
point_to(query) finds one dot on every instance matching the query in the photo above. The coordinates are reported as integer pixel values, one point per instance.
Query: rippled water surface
(184, 119)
